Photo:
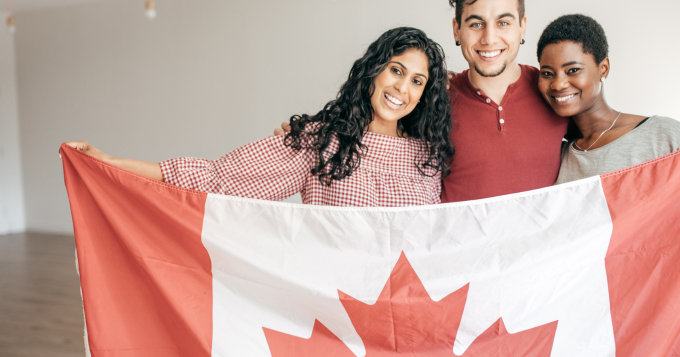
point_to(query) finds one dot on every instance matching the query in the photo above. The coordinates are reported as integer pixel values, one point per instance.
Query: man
(507, 138)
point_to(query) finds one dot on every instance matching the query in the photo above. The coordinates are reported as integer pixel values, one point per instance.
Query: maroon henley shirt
(502, 148)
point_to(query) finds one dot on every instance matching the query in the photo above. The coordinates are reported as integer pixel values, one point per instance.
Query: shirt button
(502, 121)
(500, 108)
(488, 100)
(479, 93)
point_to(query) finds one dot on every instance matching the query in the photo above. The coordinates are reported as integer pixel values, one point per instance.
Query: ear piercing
(602, 79)
(523, 42)
(457, 43)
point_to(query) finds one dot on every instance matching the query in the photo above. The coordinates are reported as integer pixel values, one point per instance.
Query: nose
(490, 35)
(401, 85)
(559, 83)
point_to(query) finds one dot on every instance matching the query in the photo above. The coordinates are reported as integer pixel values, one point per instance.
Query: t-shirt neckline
(581, 152)
(511, 87)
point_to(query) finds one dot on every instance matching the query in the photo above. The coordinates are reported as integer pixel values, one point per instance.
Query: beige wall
(210, 75)
(11, 191)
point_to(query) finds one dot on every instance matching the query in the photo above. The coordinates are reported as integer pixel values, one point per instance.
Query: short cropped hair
(577, 28)
(458, 5)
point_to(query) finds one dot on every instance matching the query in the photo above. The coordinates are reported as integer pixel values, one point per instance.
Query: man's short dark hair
(458, 5)
(577, 28)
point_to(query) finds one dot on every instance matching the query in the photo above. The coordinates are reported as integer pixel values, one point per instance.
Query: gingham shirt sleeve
(265, 169)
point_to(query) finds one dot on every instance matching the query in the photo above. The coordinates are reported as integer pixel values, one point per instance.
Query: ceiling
(27, 5)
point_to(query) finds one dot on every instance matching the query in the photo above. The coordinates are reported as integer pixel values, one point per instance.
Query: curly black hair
(580, 29)
(347, 117)
(459, 4)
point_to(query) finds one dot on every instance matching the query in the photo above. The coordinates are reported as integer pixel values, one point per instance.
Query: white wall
(210, 75)
(11, 190)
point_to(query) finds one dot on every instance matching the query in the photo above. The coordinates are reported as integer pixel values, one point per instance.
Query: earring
(523, 42)
(457, 43)
(602, 79)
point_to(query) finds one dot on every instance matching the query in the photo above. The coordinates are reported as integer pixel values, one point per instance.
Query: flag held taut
(588, 268)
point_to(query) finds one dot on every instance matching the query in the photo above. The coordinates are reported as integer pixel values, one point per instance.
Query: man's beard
(495, 74)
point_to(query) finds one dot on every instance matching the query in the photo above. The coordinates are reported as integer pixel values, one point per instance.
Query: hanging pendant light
(150, 11)
(11, 25)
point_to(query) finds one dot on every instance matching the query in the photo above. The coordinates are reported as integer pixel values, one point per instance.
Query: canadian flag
(590, 268)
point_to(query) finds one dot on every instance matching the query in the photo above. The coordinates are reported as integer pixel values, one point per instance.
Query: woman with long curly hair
(384, 141)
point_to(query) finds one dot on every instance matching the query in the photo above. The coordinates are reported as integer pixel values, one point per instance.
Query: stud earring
(457, 43)
(602, 79)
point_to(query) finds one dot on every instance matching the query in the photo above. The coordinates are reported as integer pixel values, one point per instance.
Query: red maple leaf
(405, 321)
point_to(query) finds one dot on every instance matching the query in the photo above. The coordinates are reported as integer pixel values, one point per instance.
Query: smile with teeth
(393, 100)
(565, 98)
(490, 54)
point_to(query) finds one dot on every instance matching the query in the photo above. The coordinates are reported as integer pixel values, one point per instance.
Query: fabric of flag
(589, 268)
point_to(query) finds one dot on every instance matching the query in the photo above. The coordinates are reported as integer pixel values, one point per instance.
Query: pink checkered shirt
(269, 170)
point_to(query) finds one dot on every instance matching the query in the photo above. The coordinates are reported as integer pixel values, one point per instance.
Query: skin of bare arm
(151, 170)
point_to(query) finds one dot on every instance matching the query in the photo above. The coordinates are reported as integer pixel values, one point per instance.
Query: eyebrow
(564, 65)
(474, 17)
(477, 17)
(507, 14)
(401, 64)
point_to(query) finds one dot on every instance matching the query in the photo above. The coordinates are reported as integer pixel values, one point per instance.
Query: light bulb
(11, 26)
(150, 10)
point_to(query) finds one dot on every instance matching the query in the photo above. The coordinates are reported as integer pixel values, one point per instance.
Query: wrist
(109, 159)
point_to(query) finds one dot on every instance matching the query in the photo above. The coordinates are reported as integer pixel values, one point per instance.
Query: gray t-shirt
(656, 137)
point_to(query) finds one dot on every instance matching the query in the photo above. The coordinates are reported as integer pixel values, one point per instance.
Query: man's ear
(604, 68)
(523, 26)
(456, 30)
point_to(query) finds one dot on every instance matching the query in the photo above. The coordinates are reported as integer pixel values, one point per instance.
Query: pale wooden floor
(40, 306)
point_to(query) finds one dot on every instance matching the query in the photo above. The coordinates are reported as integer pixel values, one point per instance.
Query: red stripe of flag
(643, 260)
(147, 289)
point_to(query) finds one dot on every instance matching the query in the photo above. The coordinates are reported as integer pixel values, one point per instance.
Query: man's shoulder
(456, 86)
(459, 80)
(529, 68)
(530, 72)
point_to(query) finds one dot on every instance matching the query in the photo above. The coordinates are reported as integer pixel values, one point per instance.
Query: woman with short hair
(574, 64)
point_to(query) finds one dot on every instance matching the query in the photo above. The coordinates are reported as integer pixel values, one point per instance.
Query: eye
(417, 82)
(573, 70)
(546, 74)
(396, 71)
(503, 23)
(476, 25)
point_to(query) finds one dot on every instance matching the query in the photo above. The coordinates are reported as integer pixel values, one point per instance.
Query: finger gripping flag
(590, 268)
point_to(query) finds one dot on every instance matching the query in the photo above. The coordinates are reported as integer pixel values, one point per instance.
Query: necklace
(598, 138)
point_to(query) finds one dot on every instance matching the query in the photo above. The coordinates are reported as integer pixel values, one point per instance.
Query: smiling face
(570, 80)
(490, 34)
(398, 89)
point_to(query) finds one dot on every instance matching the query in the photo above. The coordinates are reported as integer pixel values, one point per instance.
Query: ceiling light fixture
(11, 26)
(150, 11)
